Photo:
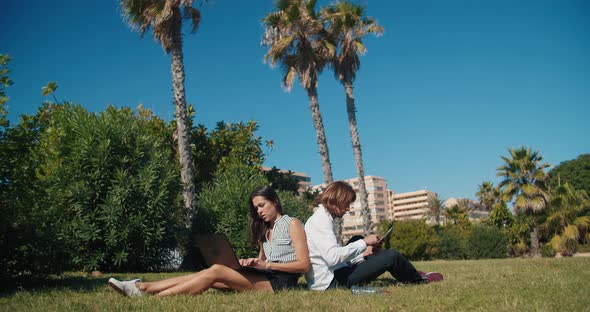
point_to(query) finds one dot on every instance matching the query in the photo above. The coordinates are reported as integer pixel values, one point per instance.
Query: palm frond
(583, 222)
(571, 232)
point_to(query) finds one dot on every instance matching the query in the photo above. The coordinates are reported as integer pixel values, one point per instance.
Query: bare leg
(219, 275)
(155, 287)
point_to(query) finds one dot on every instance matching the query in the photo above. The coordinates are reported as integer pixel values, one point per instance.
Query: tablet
(385, 235)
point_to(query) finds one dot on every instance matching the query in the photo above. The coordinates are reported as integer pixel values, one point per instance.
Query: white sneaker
(126, 288)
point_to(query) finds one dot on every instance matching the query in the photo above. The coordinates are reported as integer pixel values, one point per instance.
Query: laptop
(216, 249)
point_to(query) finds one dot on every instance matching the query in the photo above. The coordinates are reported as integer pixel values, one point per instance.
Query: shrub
(486, 242)
(296, 206)
(115, 181)
(226, 143)
(451, 242)
(414, 238)
(29, 232)
(227, 200)
(518, 249)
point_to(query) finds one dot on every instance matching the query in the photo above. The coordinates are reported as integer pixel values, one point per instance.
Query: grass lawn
(547, 284)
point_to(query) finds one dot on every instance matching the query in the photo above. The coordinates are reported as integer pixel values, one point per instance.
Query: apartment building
(377, 196)
(410, 205)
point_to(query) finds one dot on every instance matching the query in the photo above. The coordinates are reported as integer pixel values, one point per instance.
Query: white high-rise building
(378, 204)
(410, 205)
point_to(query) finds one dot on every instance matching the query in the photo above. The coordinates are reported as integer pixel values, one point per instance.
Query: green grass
(546, 284)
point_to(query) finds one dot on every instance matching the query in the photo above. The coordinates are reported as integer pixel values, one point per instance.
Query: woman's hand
(248, 262)
(371, 250)
(259, 264)
(371, 240)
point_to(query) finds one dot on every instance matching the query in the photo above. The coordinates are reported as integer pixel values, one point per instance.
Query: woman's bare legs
(219, 276)
(155, 287)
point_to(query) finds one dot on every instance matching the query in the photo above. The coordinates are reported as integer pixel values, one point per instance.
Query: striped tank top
(280, 247)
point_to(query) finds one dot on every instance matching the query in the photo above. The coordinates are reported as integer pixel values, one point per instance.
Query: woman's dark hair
(336, 196)
(259, 227)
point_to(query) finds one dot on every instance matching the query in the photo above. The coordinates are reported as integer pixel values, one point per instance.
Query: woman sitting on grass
(357, 263)
(283, 257)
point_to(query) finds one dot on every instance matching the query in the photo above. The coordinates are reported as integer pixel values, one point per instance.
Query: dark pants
(385, 260)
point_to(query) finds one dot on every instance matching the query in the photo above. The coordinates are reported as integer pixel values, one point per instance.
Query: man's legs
(385, 260)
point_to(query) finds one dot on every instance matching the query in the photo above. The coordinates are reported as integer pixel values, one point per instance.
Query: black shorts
(282, 280)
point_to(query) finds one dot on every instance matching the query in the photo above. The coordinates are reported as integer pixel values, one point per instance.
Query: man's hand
(371, 240)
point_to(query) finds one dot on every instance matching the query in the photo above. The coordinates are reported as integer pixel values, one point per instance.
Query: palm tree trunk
(358, 157)
(314, 106)
(182, 126)
(535, 249)
(318, 124)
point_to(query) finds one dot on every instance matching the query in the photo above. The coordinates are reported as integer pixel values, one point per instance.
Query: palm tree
(165, 18)
(566, 218)
(296, 39)
(347, 26)
(524, 181)
(488, 195)
(435, 206)
(456, 214)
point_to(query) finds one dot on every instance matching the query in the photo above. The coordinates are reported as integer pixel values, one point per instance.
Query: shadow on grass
(384, 282)
(73, 283)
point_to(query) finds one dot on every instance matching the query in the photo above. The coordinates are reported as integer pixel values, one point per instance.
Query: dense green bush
(223, 205)
(29, 232)
(486, 242)
(452, 242)
(228, 142)
(115, 181)
(227, 200)
(414, 238)
(576, 172)
(296, 206)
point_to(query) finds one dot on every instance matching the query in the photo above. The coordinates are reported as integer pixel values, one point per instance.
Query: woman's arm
(323, 243)
(301, 263)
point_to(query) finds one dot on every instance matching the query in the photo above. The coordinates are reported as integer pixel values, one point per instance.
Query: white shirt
(325, 254)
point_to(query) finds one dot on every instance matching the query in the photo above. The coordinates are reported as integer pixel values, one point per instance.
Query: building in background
(411, 205)
(476, 211)
(377, 196)
(303, 180)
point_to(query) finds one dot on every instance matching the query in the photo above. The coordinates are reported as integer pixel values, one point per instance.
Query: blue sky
(447, 89)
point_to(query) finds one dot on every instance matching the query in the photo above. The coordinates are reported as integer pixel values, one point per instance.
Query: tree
(165, 18)
(284, 181)
(228, 141)
(5, 81)
(457, 215)
(568, 218)
(297, 40)
(348, 25)
(435, 206)
(500, 217)
(488, 195)
(576, 172)
(524, 182)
